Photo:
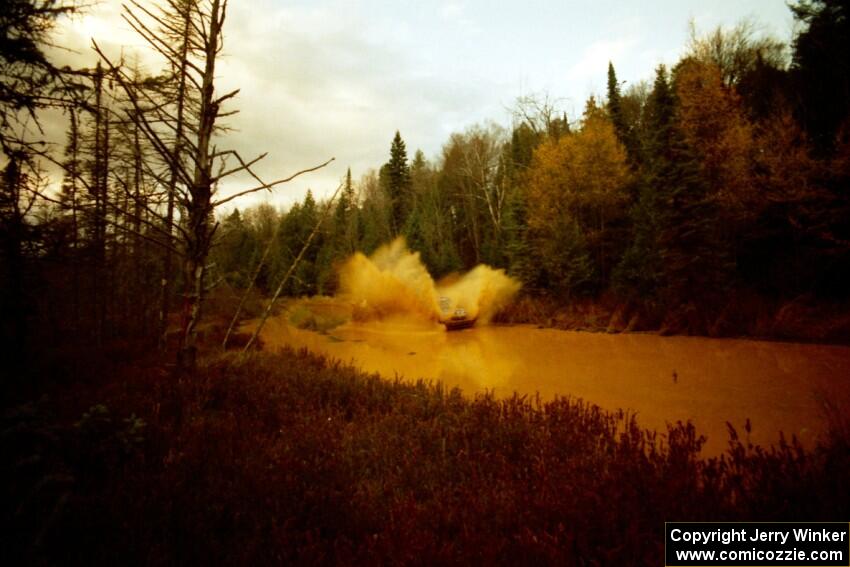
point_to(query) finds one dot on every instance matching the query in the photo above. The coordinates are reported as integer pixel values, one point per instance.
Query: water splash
(393, 282)
(482, 292)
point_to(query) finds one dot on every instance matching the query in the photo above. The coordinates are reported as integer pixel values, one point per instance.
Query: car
(454, 320)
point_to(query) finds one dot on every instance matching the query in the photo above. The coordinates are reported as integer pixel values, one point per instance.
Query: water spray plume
(394, 282)
(482, 291)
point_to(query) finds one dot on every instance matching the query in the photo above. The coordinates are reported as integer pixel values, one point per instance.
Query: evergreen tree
(340, 240)
(419, 178)
(519, 154)
(347, 198)
(821, 68)
(616, 112)
(345, 230)
(397, 181)
(341, 213)
(26, 74)
(307, 271)
(374, 213)
(568, 269)
(238, 250)
(429, 228)
(660, 119)
(677, 252)
(415, 226)
(559, 127)
(517, 246)
(294, 230)
(71, 194)
(640, 270)
(288, 243)
(523, 142)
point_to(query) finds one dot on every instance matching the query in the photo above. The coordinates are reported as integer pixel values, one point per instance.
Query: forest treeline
(723, 176)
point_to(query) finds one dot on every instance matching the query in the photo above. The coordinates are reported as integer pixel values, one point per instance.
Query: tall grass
(287, 459)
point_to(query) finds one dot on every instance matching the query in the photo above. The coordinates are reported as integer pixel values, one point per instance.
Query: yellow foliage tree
(713, 123)
(579, 180)
(785, 170)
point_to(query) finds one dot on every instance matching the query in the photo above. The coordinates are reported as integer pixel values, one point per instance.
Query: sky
(337, 78)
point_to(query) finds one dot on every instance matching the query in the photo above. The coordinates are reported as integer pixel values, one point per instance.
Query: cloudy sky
(322, 78)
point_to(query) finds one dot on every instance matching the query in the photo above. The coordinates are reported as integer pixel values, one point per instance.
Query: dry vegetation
(285, 458)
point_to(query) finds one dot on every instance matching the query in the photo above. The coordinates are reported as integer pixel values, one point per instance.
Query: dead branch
(242, 165)
(295, 262)
(272, 184)
(150, 133)
(115, 224)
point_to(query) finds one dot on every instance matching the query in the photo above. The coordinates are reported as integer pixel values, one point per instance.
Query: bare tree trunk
(105, 266)
(136, 308)
(97, 185)
(199, 209)
(168, 260)
(75, 230)
(191, 157)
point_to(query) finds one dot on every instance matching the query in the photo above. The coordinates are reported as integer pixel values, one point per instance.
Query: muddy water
(778, 386)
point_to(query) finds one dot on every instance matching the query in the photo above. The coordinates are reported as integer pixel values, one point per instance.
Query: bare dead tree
(176, 27)
(189, 150)
(71, 195)
(481, 149)
(538, 111)
(98, 192)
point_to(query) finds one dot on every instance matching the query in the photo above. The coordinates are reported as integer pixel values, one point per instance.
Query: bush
(285, 458)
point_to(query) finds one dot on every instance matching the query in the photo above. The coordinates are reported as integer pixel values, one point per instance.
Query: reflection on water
(778, 386)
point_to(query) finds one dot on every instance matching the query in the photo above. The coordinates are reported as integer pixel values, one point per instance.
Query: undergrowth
(287, 459)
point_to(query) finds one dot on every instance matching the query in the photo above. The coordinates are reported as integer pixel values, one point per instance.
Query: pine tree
(306, 274)
(519, 155)
(625, 131)
(615, 110)
(238, 251)
(71, 180)
(821, 68)
(660, 119)
(374, 224)
(414, 226)
(397, 180)
(344, 230)
(677, 254)
(639, 272)
(340, 241)
(348, 197)
(70, 196)
(26, 74)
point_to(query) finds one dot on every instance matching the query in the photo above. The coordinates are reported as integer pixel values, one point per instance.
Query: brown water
(778, 386)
